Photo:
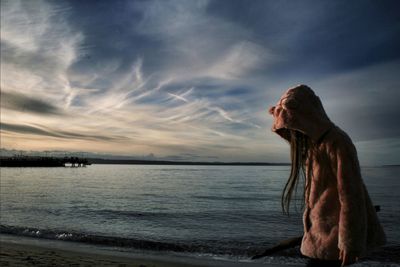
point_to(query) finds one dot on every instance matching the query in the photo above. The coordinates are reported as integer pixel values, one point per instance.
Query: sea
(222, 212)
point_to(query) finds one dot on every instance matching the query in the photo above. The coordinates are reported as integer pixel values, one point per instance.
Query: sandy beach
(29, 255)
(30, 252)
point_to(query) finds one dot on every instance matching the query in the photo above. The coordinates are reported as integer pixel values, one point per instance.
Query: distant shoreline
(164, 162)
(390, 165)
(27, 161)
(37, 161)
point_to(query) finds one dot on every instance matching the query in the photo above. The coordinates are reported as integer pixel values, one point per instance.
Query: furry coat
(338, 214)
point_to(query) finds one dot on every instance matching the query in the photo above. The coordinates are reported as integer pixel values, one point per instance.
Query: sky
(193, 80)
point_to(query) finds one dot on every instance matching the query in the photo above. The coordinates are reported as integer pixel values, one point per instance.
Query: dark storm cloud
(29, 129)
(23, 103)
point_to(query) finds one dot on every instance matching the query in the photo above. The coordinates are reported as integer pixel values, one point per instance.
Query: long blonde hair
(299, 144)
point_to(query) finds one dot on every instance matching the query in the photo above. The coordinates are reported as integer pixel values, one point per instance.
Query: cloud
(198, 44)
(180, 77)
(170, 18)
(130, 97)
(364, 101)
(29, 129)
(23, 103)
(182, 96)
(38, 47)
(239, 60)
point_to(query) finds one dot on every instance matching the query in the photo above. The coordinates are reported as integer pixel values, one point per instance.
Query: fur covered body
(338, 214)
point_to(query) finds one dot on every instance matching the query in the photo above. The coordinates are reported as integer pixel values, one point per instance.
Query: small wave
(191, 247)
(243, 250)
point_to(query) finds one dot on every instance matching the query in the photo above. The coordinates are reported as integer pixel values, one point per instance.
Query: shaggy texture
(338, 214)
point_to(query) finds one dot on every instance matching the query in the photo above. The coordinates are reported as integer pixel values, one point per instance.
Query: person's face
(276, 110)
(279, 113)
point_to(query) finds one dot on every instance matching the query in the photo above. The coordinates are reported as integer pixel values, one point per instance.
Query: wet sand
(14, 254)
(28, 255)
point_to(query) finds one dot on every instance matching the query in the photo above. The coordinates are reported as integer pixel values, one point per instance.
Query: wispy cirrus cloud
(38, 47)
(198, 44)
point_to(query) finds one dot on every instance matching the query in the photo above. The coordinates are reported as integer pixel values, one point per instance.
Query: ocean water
(229, 211)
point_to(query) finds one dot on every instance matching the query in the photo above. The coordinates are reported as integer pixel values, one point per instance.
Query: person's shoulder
(337, 134)
(338, 139)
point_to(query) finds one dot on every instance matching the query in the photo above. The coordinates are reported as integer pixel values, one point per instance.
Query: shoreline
(12, 254)
(22, 251)
(29, 251)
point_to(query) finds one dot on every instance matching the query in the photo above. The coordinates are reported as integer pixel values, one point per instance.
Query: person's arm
(285, 244)
(352, 220)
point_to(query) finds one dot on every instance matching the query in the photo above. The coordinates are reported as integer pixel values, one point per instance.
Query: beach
(31, 255)
(47, 253)
(30, 252)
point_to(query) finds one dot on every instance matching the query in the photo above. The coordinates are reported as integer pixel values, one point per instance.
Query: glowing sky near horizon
(194, 79)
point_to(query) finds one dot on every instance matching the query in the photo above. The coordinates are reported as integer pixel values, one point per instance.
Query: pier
(31, 161)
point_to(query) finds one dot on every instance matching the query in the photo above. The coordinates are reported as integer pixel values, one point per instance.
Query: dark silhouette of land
(35, 161)
(31, 161)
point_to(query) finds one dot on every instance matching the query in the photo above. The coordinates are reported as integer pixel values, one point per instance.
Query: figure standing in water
(340, 222)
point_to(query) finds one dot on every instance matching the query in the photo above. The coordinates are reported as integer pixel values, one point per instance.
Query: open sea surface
(224, 211)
